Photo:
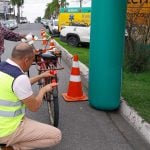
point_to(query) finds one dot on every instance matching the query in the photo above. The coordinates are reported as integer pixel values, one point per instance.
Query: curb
(141, 126)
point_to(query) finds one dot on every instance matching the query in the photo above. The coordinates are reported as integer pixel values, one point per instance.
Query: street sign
(76, 9)
(139, 11)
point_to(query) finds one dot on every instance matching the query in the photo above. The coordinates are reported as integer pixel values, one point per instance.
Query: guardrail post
(106, 53)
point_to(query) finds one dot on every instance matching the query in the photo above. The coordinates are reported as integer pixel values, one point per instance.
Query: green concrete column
(106, 53)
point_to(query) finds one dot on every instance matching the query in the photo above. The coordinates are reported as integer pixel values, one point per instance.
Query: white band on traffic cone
(74, 78)
(75, 64)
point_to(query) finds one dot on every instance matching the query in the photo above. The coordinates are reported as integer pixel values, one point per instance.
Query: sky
(36, 8)
(76, 3)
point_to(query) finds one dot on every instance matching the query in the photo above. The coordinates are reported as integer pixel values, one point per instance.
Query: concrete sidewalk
(141, 126)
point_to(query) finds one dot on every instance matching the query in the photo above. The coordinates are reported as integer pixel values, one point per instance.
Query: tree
(53, 8)
(19, 3)
(64, 4)
(13, 4)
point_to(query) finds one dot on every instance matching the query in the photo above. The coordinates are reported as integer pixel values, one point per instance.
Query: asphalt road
(83, 127)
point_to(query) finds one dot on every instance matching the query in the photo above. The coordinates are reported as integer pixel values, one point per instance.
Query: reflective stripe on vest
(12, 113)
(10, 103)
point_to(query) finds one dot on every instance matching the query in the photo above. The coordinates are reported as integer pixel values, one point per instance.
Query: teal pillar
(106, 53)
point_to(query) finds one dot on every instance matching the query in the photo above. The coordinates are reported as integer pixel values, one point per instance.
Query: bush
(137, 57)
(137, 52)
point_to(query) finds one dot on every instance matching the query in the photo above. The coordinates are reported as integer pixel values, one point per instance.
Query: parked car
(42, 21)
(23, 20)
(75, 35)
(10, 24)
(53, 26)
(45, 22)
(14, 22)
(2, 23)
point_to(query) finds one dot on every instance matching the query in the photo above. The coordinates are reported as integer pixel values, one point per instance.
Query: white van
(53, 26)
(23, 20)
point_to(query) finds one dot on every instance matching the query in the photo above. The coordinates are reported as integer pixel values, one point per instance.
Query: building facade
(6, 9)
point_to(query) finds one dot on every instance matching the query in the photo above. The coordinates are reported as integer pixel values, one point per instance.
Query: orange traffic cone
(44, 40)
(51, 45)
(75, 92)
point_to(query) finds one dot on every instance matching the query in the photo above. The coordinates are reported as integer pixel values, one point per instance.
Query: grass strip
(136, 91)
(82, 52)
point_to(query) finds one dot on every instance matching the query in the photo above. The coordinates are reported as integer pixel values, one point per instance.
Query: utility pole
(81, 5)
(59, 2)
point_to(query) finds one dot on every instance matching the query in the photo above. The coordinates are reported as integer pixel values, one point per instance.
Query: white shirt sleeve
(22, 87)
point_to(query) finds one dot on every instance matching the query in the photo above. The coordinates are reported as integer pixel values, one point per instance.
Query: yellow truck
(138, 12)
(74, 17)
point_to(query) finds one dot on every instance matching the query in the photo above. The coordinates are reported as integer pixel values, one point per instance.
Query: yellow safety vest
(11, 108)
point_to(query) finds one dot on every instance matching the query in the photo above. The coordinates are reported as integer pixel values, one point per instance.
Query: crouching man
(16, 130)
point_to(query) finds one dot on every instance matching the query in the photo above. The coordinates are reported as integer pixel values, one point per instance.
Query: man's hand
(46, 74)
(49, 87)
(39, 77)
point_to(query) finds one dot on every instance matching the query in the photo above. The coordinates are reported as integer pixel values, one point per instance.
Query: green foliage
(137, 56)
(38, 19)
(52, 9)
(13, 2)
(17, 2)
(64, 3)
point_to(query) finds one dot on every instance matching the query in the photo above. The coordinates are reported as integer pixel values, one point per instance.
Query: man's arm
(33, 103)
(35, 79)
(11, 36)
(23, 90)
(38, 77)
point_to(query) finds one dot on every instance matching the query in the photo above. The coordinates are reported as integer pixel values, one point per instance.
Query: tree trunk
(14, 12)
(18, 14)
